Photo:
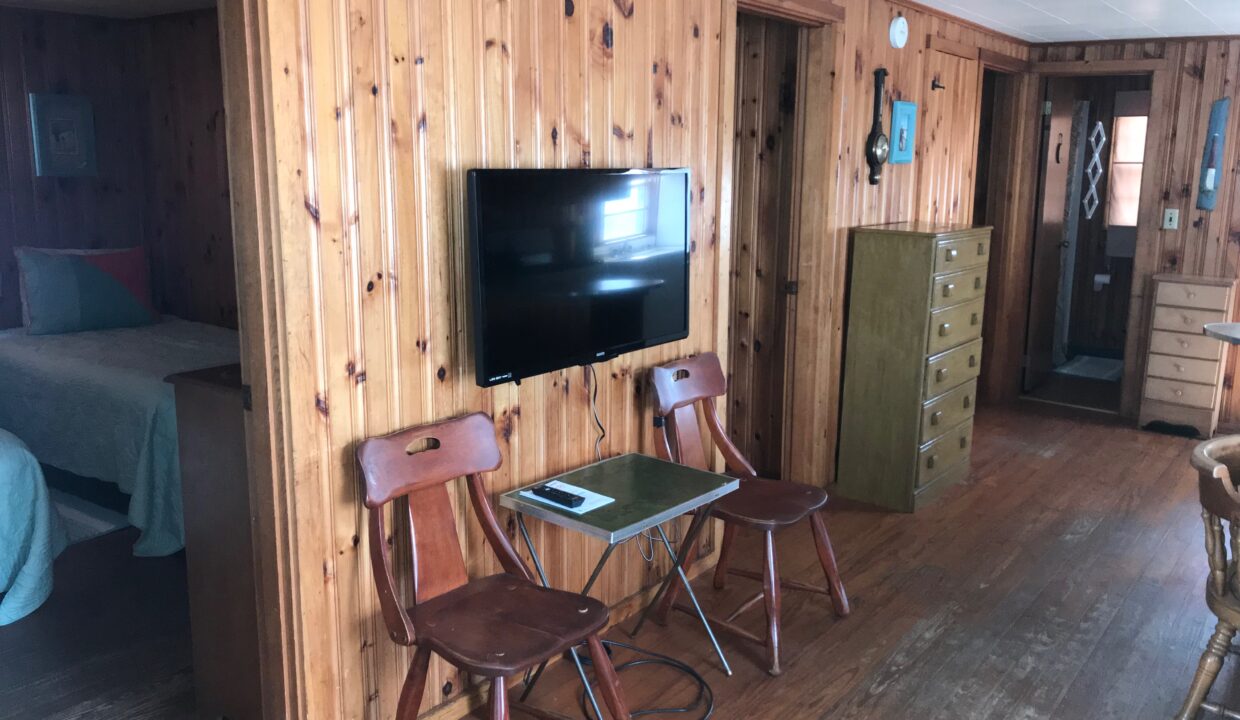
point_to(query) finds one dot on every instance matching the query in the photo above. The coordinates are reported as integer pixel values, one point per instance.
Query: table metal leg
(542, 575)
(678, 570)
(689, 590)
(691, 534)
(585, 682)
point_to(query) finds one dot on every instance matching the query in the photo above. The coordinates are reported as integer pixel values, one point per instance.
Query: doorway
(764, 166)
(1093, 145)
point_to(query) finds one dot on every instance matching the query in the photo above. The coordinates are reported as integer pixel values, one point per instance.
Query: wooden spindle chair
(760, 504)
(1220, 502)
(495, 626)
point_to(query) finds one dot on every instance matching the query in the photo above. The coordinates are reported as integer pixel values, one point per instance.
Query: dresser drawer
(1185, 345)
(941, 454)
(1206, 297)
(1180, 393)
(1186, 320)
(1183, 369)
(948, 410)
(958, 287)
(954, 255)
(954, 325)
(954, 367)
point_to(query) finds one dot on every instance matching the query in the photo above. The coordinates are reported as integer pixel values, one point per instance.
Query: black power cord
(705, 695)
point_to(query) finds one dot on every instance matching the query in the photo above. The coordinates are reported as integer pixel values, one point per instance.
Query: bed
(30, 532)
(95, 404)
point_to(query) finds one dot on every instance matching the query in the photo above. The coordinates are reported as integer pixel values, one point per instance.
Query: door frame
(246, 62)
(1145, 263)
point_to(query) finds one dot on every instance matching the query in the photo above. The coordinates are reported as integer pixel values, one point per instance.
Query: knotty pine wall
(937, 186)
(156, 92)
(1207, 243)
(379, 110)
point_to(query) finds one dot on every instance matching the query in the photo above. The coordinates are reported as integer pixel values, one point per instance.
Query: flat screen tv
(575, 266)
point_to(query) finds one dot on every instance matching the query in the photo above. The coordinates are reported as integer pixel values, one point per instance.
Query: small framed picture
(903, 132)
(64, 135)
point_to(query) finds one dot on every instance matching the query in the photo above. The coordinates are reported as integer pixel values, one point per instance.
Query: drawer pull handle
(1179, 367)
(981, 248)
(964, 442)
(930, 461)
(947, 289)
(940, 375)
(1179, 393)
(1187, 320)
(951, 254)
(973, 320)
(972, 361)
(968, 402)
(977, 283)
(1183, 343)
(935, 417)
(945, 329)
(1191, 294)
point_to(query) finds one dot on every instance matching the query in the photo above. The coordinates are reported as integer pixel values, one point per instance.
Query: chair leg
(609, 684)
(415, 682)
(499, 699)
(1207, 670)
(771, 594)
(826, 556)
(673, 590)
(725, 555)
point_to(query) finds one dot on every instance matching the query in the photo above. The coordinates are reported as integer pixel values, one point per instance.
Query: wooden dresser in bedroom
(219, 551)
(913, 350)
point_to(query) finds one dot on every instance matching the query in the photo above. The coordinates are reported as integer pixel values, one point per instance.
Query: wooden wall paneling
(185, 167)
(947, 137)
(372, 270)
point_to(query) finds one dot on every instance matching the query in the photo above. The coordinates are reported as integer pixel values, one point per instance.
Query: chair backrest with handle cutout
(678, 387)
(417, 464)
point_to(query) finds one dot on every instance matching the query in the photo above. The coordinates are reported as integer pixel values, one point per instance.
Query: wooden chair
(1220, 501)
(761, 504)
(493, 627)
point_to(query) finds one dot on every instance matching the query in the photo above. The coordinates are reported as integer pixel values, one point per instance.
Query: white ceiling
(1064, 20)
(113, 8)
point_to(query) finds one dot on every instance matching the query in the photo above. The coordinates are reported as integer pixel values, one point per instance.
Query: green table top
(647, 491)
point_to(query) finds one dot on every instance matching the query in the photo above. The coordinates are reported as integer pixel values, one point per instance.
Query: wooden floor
(1064, 580)
(112, 642)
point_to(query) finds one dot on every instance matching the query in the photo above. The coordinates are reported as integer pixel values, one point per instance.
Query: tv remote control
(558, 496)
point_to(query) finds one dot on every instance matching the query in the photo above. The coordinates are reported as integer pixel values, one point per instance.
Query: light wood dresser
(1184, 368)
(912, 355)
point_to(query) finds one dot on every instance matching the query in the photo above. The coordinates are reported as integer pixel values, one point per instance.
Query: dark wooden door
(1048, 240)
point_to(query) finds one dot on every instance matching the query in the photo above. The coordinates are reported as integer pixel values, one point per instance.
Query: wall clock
(898, 32)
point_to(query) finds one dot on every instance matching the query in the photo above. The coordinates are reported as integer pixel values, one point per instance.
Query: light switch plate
(1171, 219)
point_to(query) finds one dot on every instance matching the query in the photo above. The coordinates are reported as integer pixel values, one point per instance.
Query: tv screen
(575, 266)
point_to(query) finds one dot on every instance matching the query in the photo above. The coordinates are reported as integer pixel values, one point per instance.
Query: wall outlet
(1171, 219)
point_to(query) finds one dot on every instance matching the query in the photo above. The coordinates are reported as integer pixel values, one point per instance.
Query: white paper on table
(593, 501)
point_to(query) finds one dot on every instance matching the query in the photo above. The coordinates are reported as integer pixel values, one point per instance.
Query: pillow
(66, 291)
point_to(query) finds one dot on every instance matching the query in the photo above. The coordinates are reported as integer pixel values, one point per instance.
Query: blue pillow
(66, 291)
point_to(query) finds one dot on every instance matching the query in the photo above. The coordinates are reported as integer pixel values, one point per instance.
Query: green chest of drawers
(913, 352)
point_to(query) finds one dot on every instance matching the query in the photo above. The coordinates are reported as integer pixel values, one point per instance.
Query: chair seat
(502, 624)
(770, 504)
